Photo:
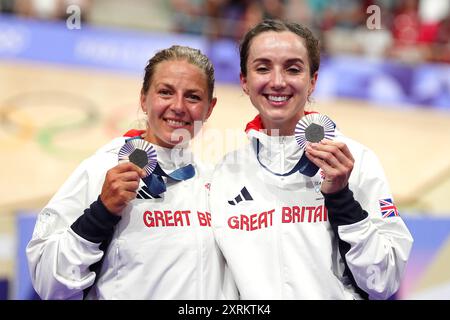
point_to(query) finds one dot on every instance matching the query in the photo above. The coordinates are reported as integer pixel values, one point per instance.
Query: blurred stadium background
(68, 88)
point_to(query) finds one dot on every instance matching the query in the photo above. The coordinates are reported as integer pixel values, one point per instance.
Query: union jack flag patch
(388, 209)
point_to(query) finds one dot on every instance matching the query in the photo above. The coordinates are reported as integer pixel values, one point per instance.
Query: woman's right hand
(120, 186)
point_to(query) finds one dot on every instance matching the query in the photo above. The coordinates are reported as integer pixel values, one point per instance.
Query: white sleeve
(379, 247)
(58, 258)
(229, 288)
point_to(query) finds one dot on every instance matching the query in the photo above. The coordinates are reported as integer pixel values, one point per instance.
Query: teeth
(176, 123)
(278, 98)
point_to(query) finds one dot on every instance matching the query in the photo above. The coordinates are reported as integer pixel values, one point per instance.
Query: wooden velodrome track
(51, 117)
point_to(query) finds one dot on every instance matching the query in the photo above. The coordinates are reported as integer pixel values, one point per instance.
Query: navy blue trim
(246, 194)
(96, 224)
(96, 267)
(344, 247)
(304, 165)
(343, 209)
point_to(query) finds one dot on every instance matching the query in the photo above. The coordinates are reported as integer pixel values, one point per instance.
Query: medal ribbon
(155, 183)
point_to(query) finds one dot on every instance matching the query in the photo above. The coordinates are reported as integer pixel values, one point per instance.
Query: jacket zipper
(282, 142)
(279, 227)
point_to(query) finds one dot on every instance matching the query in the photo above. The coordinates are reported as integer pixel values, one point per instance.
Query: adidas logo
(244, 195)
(144, 193)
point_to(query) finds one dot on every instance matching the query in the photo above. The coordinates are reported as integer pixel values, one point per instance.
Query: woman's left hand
(336, 162)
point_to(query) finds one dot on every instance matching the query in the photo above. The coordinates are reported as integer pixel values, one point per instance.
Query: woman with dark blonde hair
(132, 222)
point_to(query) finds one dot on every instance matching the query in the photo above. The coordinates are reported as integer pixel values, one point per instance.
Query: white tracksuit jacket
(160, 248)
(283, 240)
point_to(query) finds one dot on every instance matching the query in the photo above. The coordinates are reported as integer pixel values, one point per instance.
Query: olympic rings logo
(44, 116)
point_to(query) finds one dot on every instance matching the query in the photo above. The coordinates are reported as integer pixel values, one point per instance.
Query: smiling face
(177, 97)
(278, 79)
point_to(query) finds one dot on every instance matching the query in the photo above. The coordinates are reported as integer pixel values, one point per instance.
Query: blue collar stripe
(304, 165)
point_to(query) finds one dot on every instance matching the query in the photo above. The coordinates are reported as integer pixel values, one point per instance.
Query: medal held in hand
(139, 152)
(314, 127)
